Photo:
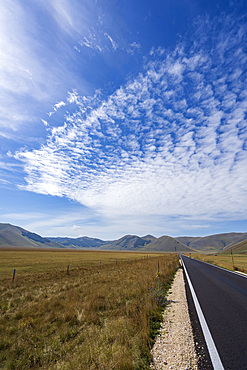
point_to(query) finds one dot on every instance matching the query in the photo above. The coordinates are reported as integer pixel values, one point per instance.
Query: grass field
(239, 262)
(104, 314)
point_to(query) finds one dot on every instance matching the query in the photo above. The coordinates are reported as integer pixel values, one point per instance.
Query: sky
(123, 117)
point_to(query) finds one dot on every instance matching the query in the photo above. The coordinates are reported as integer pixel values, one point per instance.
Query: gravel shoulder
(174, 346)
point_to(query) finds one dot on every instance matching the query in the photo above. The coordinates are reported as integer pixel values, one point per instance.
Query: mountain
(187, 240)
(213, 243)
(237, 248)
(14, 236)
(148, 237)
(82, 242)
(166, 244)
(128, 242)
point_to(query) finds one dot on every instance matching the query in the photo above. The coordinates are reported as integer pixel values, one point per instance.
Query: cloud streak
(170, 142)
(41, 49)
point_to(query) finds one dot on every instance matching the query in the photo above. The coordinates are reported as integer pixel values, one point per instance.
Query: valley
(16, 237)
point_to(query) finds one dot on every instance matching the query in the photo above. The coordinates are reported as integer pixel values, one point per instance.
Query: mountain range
(16, 237)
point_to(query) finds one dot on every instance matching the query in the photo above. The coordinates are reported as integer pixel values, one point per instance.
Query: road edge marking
(237, 273)
(214, 355)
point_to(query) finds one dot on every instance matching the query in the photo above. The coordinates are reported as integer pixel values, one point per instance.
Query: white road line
(215, 358)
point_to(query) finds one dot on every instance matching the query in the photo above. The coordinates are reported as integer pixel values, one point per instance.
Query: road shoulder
(174, 346)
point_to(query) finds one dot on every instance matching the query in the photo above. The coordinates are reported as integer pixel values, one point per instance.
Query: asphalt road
(222, 296)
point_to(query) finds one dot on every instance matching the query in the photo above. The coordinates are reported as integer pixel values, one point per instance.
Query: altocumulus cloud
(172, 141)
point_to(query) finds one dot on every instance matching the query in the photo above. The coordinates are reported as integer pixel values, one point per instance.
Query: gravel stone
(174, 346)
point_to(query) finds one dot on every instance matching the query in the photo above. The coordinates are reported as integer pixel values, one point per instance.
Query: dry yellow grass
(235, 262)
(37, 261)
(103, 315)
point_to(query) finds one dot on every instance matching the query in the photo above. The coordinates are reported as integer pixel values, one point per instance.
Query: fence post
(232, 260)
(13, 280)
(68, 270)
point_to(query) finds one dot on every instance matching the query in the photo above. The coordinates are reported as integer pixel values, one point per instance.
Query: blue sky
(123, 117)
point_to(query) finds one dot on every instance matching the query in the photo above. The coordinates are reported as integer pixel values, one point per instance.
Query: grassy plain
(104, 314)
(239, 262)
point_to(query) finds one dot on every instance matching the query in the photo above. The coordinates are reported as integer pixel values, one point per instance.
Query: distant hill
(14, 236)
(213, 243)
(166, 244)
(237, 248)
(128, 242)
(149, 237)
(187, 240)
(82, 242)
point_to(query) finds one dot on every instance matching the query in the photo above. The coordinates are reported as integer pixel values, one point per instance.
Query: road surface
(222, 296)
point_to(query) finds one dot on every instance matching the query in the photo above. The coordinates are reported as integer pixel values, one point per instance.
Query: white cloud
(168, 143)
(76, 48)
(23, 216)
(59, 105)
(113, 43)
(37, 63)
(3, 181)
(133, 48)
(176, 69)
(29, 74)
(91, 42)
(44, 122)
(98, 41)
